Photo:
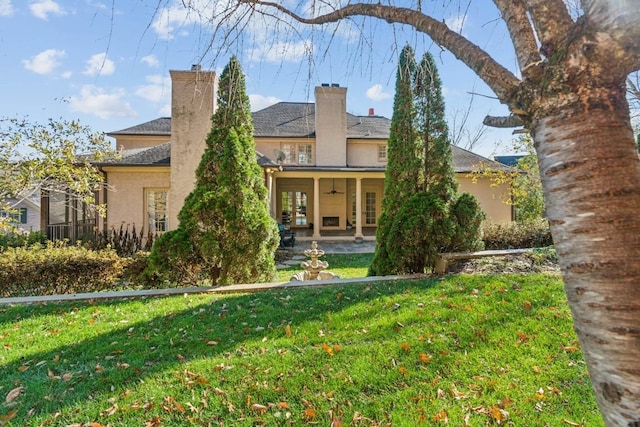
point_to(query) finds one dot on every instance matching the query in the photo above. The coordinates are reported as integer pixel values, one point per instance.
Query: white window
(382, 153)
(156, 207)
(297, 154)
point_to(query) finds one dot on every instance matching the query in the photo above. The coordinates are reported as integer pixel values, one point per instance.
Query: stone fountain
(313, 269)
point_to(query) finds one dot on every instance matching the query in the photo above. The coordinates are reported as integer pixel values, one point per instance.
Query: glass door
(301, 208)
(370, 208)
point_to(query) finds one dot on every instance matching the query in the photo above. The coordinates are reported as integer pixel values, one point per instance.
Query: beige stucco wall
(364, 152)
(266, 146)
(128, 142)
(126, 190)
(490, 198)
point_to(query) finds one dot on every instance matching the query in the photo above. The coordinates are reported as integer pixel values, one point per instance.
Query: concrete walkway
(336, 247)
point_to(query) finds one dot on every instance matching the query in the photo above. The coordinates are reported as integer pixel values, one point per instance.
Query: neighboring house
(24, 213)
(323, 167)
(509, 160)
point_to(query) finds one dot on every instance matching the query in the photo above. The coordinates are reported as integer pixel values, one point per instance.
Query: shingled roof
(160, 155)
(160, 126)
(285, 120)
(298, 119)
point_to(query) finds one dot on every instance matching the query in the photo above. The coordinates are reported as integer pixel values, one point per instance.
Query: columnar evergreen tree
(420, 185)
(403, 167)
(439, 175)
(232, 237)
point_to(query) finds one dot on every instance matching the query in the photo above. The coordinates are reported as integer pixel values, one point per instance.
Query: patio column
(359, 235)
(316, 208)
(271, 193)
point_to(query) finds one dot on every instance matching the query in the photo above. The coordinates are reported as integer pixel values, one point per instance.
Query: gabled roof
(285, 120)
(464, 161)
(160, 126)
(298, 119)
(160, 155)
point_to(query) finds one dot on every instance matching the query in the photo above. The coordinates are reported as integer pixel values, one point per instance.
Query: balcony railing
(71, 232)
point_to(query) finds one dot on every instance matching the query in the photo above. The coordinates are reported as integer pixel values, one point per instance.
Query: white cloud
(99, 64)
(281, 51)
(6, 8)
(150, 60)
(44, 62)
(258, 102)
(168, 19)
(66, 75)
(98, 102)
(457, 23)
(42, 8)
(158, 89)
(377, 93)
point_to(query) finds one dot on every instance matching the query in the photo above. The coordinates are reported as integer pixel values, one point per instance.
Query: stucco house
(323, 167)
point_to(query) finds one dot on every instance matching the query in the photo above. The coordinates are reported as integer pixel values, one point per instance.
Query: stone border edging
(253, 287)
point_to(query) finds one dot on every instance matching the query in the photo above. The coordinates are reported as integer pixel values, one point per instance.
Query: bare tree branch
(497, 77)
(503, 122)
(552, 22)
(524, 41)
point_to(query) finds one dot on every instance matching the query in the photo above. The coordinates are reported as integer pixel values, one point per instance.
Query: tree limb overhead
(503, 122)
(524, 40)
(498, 78)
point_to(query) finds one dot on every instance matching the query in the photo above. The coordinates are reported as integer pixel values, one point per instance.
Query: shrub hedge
(57, 269)
(532, 234)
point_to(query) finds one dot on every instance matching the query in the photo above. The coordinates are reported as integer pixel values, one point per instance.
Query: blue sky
(107, 62)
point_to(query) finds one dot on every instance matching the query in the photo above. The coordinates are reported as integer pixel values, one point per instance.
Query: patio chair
(287, 237)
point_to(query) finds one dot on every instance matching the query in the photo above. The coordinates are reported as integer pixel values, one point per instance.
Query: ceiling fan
(333, 188)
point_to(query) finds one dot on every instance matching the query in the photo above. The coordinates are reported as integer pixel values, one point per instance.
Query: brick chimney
(192, 105)
(331, 125)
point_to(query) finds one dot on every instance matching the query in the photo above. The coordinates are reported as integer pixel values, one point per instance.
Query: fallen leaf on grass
(23, 368)
(153, 422)
(111, 410)
(327, 349)
(258, 408)
(287, 330)
(441, 416)
(498, 414)
(4, 419)
(309, 414)
(51, 375)
(424, 358)
(13, 394)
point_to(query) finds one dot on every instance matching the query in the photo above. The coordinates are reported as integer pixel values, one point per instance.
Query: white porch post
(271, 193)
(316, 208)
(359, 234)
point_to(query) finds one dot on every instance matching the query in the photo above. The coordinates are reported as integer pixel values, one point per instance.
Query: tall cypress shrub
(420, 216)
(403, 166)
(438, 175)
(232, 237)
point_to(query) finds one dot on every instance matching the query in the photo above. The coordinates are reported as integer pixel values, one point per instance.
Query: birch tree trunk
(591, 178)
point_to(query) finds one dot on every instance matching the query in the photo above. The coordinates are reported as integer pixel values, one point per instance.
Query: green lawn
(463, 350)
